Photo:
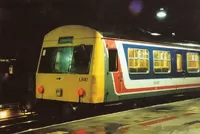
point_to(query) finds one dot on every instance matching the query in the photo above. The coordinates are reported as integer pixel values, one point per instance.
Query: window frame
(197, 61)
(170, 67)
(148, 68)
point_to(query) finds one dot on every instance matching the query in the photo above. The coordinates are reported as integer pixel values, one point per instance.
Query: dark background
(23, 23)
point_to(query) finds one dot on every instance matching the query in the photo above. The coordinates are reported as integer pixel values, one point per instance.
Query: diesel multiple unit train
(80, 66)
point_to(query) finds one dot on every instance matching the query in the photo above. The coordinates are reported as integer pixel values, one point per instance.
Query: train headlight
(41, 89)
(81, 92)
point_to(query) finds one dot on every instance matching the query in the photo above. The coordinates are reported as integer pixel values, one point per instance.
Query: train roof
(147, 38)
(78, 31)
(129, 35)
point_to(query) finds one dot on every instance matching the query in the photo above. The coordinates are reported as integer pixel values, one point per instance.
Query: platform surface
(181, 117)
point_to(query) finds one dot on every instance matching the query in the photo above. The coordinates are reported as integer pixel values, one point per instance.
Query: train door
(180, 70)
(114, 76)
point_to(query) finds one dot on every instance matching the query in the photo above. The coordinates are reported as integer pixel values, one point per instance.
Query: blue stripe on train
(151, 74)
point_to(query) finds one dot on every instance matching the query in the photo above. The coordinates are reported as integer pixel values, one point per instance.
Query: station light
(155, 34)
(173, 34)
(161, 14)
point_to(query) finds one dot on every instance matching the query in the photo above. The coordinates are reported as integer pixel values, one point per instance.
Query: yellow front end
(65, 87)
(72, 87)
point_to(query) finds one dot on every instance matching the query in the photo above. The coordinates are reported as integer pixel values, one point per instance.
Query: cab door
(114, 76)
(113, 68)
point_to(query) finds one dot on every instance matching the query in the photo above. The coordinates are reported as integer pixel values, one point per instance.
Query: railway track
(17, 124)
(12, 118)
(22, 122)
(15, 120)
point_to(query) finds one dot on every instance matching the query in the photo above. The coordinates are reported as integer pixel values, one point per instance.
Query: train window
(82, 55)
(138, 60)
(179, 66)
(113, 60)
(67, 60)
(162, 61)
(193, 62)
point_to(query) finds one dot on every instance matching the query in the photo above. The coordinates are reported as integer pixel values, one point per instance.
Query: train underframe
(67, 110)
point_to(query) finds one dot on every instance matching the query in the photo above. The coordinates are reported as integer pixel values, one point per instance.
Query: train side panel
(125, 85)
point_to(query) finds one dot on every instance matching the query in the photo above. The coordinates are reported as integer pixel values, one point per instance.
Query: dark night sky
(24, 22)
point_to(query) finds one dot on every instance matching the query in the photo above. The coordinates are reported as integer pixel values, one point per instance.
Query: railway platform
(182, 117)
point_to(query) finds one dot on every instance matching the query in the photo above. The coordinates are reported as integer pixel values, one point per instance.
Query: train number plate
(59, 92)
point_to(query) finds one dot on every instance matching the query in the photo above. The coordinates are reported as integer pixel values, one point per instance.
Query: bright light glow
(161, 9)
(2, 126)
(155, 34)
(3, 114)
(30, 121)
(173, 34)
(27, 113)
(161, 14)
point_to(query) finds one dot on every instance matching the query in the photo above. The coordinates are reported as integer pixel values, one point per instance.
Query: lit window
(179, 66)
(193, 62)
(162, 61)
(138, 60)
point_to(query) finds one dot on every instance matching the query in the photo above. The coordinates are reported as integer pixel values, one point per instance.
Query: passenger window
(113, 60)
(162, 61)
(138, 60)
(179, 66)
(193, 62)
